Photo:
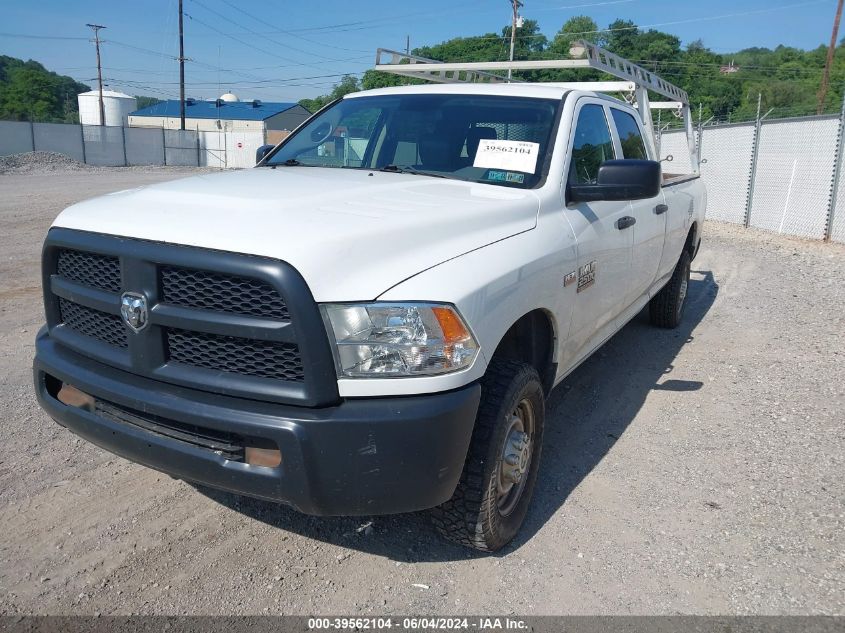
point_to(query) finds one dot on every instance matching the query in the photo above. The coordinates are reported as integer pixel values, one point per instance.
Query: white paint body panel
(352, 234)
(494, 252)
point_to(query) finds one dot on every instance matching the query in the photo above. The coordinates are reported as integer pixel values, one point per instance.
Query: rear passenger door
(650, 214)
(600, 285)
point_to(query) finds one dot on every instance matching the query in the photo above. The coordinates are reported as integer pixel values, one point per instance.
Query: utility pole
(407, 44)
(96, 28)
(515, 5)
(830, 51)
(181, 71)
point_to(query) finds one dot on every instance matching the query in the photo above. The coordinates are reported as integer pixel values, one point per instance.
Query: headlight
(394, 340)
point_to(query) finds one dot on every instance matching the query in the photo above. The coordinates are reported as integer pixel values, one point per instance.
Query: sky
(282, 50)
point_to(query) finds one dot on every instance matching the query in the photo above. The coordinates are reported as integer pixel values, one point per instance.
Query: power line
(635, 27)
(249, 44)
(275, 80)
(254, 32)
(581, 6)
(43, 37)
(291, 33)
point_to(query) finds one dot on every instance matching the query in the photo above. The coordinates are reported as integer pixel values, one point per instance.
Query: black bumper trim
(363, 456)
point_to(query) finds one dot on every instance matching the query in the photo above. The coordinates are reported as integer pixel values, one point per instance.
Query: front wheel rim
(515, 457)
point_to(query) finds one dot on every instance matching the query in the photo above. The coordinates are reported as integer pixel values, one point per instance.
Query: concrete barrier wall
(144, 146)
(115, 146)
(15, 137)
(104, 146)
(61, 138)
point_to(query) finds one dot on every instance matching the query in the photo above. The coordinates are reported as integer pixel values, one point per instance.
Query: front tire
(492, 497)
(666, 308)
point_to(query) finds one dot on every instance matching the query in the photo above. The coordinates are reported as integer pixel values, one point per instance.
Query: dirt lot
(695, 471)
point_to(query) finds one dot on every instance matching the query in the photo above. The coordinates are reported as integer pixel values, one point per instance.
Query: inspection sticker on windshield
(507, 155)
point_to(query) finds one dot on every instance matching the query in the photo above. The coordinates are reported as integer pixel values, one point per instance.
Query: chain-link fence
(118, 146)
(780, 175)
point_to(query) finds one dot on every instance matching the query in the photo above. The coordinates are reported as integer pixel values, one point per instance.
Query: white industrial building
(116, 106)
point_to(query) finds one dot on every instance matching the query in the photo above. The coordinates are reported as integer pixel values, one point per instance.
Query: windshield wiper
(290, 162)
(396, 169)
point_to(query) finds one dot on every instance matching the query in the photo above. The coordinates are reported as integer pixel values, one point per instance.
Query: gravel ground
(697, 471)
(48, 162)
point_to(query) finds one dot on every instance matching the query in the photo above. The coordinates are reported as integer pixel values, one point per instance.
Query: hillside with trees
(28, 91)
(726, 85)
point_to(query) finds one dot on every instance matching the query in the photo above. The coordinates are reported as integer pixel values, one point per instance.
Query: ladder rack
(635, 80)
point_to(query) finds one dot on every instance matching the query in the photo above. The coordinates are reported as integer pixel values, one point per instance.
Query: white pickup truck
(370, 320)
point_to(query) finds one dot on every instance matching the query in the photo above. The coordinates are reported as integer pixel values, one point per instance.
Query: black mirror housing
(621, 180)
(261, 152)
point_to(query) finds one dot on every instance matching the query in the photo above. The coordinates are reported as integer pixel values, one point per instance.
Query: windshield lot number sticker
(507, 155)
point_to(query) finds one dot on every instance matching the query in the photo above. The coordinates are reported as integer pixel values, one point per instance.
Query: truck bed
(674, 179)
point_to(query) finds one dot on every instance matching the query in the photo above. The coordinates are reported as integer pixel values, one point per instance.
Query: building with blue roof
(226, 114)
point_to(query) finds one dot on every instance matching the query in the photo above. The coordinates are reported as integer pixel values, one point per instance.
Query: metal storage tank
(117, 107)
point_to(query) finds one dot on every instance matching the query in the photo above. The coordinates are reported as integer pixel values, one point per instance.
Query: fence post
(32, 134)
(837, 172)
(163, 147)
(123, 134)
(198, 146)
(82, 137)
(754, 150)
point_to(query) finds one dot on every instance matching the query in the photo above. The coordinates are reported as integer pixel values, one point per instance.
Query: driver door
(601, 282)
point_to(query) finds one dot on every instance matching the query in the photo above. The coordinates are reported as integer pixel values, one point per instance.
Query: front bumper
(363, 456)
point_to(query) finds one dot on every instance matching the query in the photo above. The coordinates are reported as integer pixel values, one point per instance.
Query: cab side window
(630, 136)
(591, 147)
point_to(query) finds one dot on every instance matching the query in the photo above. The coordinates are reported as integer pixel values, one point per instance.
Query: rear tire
(666, 308)
(492, 497)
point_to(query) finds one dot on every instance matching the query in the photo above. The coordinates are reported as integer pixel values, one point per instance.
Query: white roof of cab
(536, 90)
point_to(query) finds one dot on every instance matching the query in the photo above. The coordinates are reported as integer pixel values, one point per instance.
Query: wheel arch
(693, 240)
(532, 339)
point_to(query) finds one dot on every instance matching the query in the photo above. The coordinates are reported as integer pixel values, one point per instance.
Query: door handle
(624, 223)
(660, 209)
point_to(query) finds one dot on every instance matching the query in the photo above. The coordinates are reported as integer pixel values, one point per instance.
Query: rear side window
(629, 135)
(591, 147)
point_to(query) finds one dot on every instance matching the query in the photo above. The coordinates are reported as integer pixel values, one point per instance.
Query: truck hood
(351, 233)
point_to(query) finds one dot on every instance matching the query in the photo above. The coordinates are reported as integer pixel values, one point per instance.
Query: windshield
(496, 140)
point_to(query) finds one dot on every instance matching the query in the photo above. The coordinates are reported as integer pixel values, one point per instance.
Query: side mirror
(261, 152)
(621, 180)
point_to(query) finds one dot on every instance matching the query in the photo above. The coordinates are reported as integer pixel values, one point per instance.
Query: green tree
(28, 91)
(787, 78)
(580, 27)
(348, 84)
(145, 102)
